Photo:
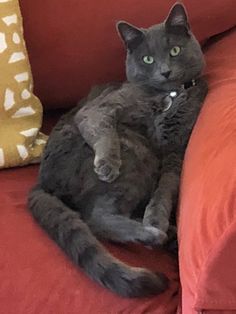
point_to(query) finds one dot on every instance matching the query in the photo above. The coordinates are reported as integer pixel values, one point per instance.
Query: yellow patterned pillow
(20, 110)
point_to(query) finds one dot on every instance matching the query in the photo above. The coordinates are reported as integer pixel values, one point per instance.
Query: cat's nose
(166, 74)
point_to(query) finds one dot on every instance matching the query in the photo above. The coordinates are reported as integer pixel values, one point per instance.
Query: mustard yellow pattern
(21, 141)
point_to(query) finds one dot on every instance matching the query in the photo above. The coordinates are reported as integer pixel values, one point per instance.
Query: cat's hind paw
(154, 237)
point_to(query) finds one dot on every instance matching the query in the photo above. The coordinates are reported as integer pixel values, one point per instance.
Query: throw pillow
(21, 141)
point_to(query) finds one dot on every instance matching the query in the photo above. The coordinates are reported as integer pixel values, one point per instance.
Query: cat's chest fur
(163, 123)
(172, 128)
(140, 109)
(156, 119)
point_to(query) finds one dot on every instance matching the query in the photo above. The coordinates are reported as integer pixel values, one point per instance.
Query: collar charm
(169, 100)
(172, 94)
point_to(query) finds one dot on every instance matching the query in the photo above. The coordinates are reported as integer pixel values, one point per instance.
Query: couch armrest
(207, 212)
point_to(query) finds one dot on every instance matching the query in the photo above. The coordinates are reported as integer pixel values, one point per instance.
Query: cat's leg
(97, 125)
(172, 244)
(107, 160)
(118, 228)
(164, 200)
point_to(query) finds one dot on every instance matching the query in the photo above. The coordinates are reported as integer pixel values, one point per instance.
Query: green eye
(175, 51)
(148, 59)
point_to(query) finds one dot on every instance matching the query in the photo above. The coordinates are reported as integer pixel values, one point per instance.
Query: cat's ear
(177, 20)
(131, 35)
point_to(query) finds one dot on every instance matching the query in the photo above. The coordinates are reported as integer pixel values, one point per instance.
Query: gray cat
(119, 156)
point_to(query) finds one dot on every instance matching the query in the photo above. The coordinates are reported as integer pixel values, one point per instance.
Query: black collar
(186, 85)
(189, 84)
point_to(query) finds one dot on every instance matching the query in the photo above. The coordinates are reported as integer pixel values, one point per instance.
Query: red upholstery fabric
(207, 222)
(73, 44)
(36, 277)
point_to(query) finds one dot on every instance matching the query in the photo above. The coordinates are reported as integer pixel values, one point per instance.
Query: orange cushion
(73, 44)
(207, 222)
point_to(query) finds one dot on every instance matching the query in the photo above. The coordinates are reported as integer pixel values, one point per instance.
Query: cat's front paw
(107, 169)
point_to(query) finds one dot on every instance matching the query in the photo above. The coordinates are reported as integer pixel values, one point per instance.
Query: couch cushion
(207, 222)
(73, 44)
(36, 277)
(20, 111)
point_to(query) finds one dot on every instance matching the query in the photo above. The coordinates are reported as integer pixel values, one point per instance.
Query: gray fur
(118, 159)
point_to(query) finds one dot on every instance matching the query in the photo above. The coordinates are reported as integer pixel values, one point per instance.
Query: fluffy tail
(76, 239)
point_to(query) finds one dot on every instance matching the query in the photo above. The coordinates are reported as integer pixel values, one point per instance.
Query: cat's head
(165, 55)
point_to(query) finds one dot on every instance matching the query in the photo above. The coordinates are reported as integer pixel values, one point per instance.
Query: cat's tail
(75, 238)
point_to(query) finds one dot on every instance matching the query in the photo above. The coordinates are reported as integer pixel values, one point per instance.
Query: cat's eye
(175, 51)
(148, 59)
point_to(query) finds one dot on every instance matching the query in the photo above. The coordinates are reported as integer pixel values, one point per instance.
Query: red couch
(72, 45)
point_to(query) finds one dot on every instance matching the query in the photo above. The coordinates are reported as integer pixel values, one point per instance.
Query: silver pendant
(173, 94)
(169, 100)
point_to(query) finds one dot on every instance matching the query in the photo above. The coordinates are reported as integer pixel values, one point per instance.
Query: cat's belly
(140, 165)
(67, 169)
(136, 182)
(135, 143)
